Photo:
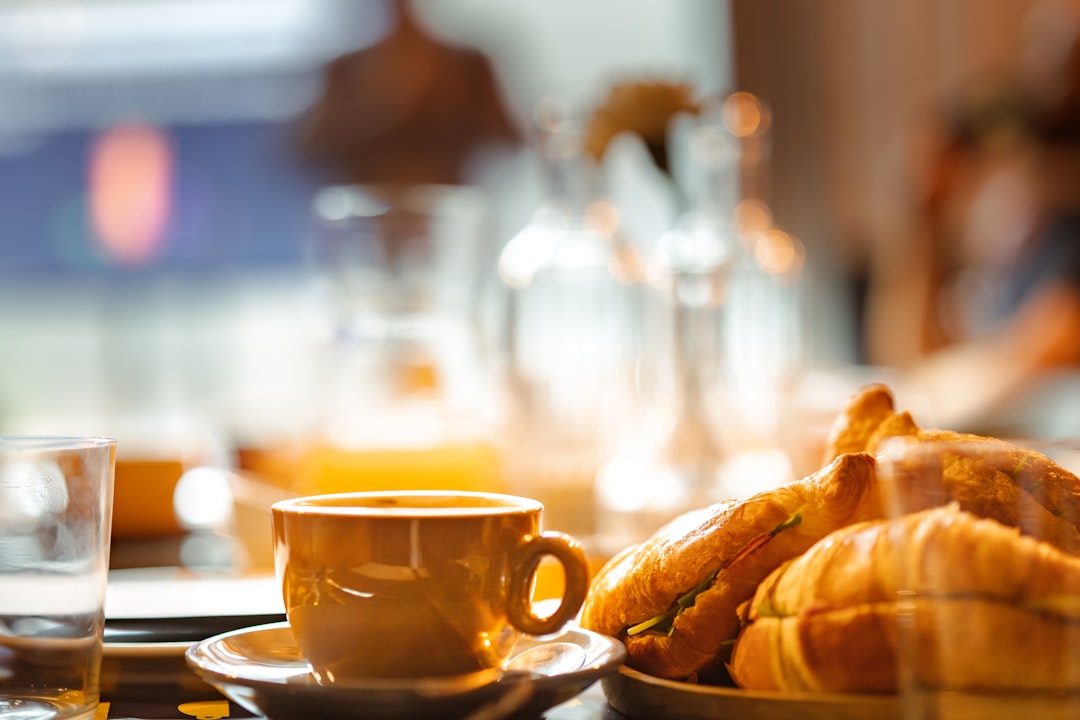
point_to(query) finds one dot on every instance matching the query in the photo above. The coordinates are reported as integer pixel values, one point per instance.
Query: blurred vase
(673, 460)
(572, 333)
(723, 331)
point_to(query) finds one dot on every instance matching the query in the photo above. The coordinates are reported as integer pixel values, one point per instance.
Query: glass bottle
(764, 356)
(573, 282)
(673, 461)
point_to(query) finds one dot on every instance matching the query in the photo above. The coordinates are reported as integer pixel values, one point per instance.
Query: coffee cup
(417, 584)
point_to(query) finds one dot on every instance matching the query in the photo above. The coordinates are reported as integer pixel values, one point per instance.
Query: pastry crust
(1008, 605)
(676, 600)
(857, 422)
(989, 477)
(741, 542)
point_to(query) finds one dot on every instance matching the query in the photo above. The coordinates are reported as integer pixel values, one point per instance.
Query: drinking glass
(987, 592)
(55, 523)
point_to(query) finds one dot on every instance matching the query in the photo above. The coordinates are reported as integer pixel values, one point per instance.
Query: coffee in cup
(417, 584)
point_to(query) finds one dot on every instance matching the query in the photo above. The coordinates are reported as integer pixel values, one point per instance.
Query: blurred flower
(642, 107)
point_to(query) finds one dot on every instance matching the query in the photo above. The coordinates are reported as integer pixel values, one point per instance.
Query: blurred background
(627, 256)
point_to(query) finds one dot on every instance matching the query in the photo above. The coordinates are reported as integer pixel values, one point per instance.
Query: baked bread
(673, 599)
(989, 477)
(856, 423)
(1007, 607)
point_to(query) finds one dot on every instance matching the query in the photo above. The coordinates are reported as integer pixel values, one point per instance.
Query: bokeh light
(602, 218)
(779, 253)
(131, 177)
(744, 115)
(752, 216)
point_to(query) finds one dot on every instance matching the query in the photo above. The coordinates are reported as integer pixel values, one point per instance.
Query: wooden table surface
(185, 700)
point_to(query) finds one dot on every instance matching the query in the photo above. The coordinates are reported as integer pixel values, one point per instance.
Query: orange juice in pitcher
(466, 465)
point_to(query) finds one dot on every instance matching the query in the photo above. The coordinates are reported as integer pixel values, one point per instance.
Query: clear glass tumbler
(983, 571)
(55, 524)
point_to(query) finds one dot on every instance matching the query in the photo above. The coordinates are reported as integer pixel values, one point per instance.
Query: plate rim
(777, 696)
(628, 690)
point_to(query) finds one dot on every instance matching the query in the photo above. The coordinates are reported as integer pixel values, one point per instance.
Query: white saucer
(261, 669)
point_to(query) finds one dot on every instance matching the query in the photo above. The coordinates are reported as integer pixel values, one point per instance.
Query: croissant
(986, 476)
(673, 599)
(827, 621)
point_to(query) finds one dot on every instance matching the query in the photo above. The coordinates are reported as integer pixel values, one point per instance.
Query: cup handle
(575, 566)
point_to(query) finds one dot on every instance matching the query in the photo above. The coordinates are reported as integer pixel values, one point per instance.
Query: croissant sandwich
(673, 599)
(827, 621)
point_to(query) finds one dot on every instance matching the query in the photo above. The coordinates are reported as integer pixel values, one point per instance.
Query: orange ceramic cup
(416, 584)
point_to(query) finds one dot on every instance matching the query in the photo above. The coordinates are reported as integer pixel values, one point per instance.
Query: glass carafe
(406, 400)
(573, 332)
(673, 460)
